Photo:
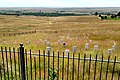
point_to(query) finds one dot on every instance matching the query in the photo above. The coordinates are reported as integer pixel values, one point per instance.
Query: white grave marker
(48, 49)
(114, 43)
(45, 42)
(83, 34)
(87, 38)
(113, 47)
(40, 41)
(74, 49)
(48, 43)
(90, 41)
(59, 41)
(4, 41)
(67, 52)
(86, 46)
(28, 41)
(88, 35)
(109, 51)
(95, 48)
(76, 38)
(94, 33)
(67, 37)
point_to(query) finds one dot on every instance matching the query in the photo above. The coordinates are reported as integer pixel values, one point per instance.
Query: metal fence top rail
(76, 58)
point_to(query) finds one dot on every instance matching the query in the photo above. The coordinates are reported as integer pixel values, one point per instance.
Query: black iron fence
(23, 65)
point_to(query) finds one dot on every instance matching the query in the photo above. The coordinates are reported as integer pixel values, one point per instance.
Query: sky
(59, 3)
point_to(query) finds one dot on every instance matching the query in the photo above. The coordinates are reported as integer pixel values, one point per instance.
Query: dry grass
(101, 32)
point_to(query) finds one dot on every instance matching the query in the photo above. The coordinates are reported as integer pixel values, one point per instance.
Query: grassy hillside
(76, 31)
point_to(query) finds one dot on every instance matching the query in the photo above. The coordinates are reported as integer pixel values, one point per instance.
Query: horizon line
(59, 7)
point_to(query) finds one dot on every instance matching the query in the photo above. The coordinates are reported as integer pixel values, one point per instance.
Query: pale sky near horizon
(59, 3)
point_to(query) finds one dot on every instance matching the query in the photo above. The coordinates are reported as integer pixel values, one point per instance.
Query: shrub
(105, 17)
(113, 16)
(102, 17)
(96, 13)
(51, 72)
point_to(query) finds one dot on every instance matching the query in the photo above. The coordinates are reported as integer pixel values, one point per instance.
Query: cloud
(59, 3)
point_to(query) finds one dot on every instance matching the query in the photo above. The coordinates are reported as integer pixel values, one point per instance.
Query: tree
(96, 13)
(118, 14)
(105, 17)
(100, 15)
(113, 16)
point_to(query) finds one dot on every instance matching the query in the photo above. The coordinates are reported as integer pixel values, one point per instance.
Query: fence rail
(37, 55)
(25, 65)
(38, 31)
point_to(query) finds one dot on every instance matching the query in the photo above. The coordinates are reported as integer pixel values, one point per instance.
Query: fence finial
(21, 44)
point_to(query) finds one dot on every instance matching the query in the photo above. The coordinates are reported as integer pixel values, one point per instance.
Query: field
(74, 30)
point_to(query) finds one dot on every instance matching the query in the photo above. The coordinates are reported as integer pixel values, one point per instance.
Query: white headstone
(90, 41)
(87, 38)
(76, 38)
(67, 37)
(95, 48)
(74, 49)
(40, 41)
(67, 52)
(113, 47)
(109, 51)
(94, 32)
(59, 41)
(4, 41)
(114, 43)
(48, 49)
(48, 43)
(27, 42)
(83, 34)
(86, 46)
(45, 42)
(88, 35)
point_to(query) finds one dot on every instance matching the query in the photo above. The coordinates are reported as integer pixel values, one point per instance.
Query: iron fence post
(22, 61)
